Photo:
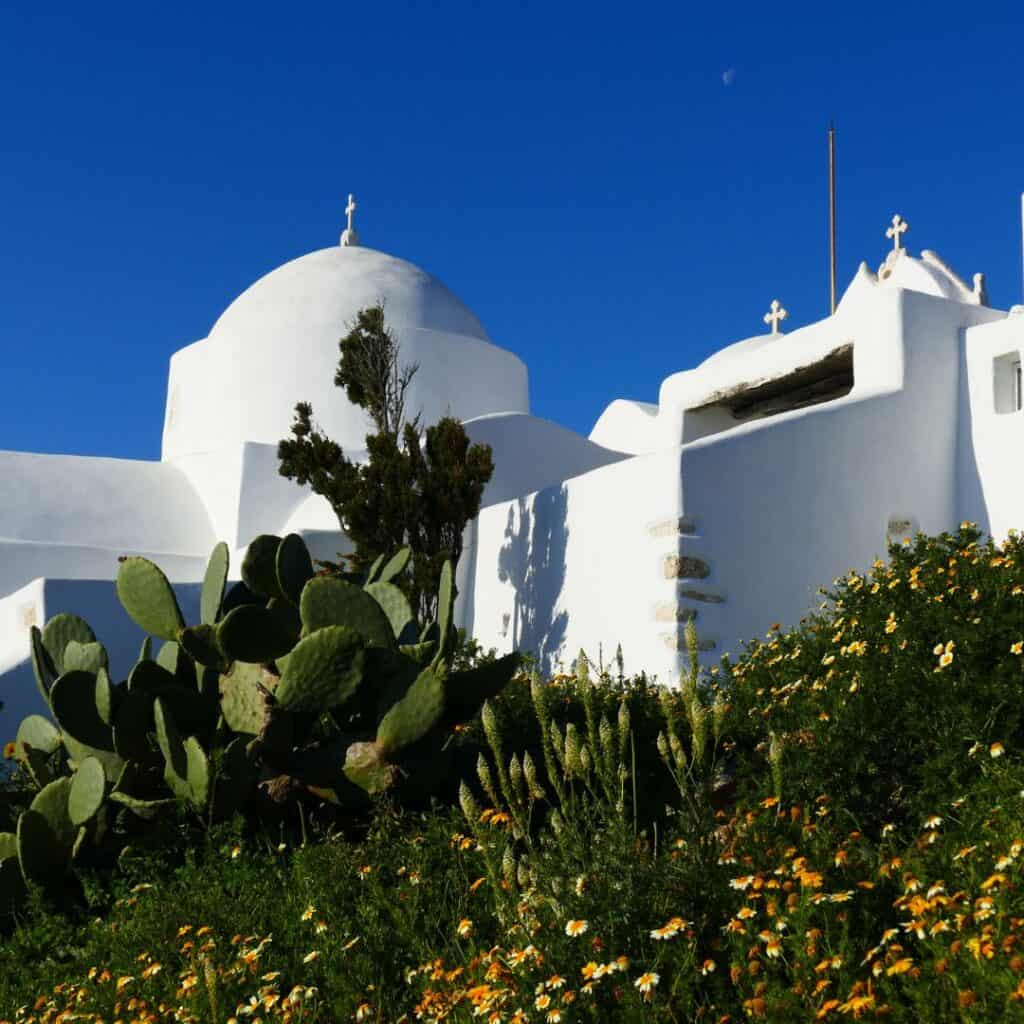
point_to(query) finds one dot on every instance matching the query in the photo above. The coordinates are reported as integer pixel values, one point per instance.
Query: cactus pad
(148, 598)
(43, 667)
(214, 579)
(324, 670)
(414, 715)
(395, 566)
(90, 657)
(200, 643)
(445, 609)
(328, 601)
(85, 796)
(60, 631)
(74, 704)
(465, 692)
(253, 634)
(42, 857)
(393, 603)
(259, 566)
(241, 701)
(294, 567)
(366, 768)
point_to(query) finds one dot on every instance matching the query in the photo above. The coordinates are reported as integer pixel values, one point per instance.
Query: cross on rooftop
(775, 315)
(349, 235)
(899, 227)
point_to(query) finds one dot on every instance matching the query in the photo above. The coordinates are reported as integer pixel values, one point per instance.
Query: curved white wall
(277, 345)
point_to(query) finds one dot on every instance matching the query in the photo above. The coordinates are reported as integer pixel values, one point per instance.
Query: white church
(761, 474)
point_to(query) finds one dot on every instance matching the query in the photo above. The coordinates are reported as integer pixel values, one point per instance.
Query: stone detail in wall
(701, 595)
(28, 615)
(666, 611)
(677, 642)
(678, 567)
(677, 526)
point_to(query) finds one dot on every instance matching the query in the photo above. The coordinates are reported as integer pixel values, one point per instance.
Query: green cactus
(324, 670)
(259, 567)
(395, 566)
(201, 644)
(394, 604)
(328, 601)
(148, 598)
(414, 715)
(74, 704)
(214, 580)
(43, 667)
(88, 787)
(294, 567)
(89, 657)
(292, 681)
(445, 612)
(37, 740)
(186, 769)
(241, 700)
(60, 631)
(254, 634)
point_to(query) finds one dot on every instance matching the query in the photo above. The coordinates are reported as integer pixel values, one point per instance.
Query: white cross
(899, 227)
(350, 209)
(775, 315)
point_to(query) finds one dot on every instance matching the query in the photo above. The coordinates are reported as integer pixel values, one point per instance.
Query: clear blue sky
(616, 191)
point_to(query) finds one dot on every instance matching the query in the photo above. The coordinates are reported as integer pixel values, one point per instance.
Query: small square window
(1008, 383)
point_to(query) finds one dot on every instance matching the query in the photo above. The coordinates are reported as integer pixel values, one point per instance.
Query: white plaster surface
(666, 510)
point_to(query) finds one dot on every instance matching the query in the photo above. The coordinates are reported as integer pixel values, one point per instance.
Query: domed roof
(327, 288)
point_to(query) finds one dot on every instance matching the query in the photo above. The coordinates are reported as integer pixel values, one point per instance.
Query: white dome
(277, 345)
(327, 288)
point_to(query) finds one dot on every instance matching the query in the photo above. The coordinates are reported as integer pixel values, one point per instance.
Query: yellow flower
(1017, 648)
(235, 852)
(542, 1002)
(900, 966)
(933, 822)
(554, 1015)
(707, 967)
(308, 912)
(465, 927)
(996, 750)
(310, 957)
(946, 659)
(363, 1011)
(9, 748)
(576, 928)
(647, 981)
(588, 970)
(665, 932)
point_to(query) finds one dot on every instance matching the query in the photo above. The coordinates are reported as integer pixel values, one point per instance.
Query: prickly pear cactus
(293, 684)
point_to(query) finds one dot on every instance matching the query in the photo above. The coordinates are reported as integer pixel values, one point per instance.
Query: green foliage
(417, 490)
(295, 693)
(879, 698)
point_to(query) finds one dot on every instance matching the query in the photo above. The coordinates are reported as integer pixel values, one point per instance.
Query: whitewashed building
(759, 475)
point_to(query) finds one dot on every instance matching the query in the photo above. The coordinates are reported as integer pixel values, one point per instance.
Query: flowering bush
(830, 828)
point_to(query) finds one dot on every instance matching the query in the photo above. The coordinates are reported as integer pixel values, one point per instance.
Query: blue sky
(611, 203)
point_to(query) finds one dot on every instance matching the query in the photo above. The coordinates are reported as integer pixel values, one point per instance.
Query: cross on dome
(349, 236)
(775, 315)
(898, 228)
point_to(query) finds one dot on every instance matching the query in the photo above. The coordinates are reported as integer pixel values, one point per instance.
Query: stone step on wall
(690, 566)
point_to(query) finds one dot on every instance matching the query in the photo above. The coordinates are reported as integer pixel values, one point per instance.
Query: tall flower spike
(530, 771)
(470, 808)
(483, 771)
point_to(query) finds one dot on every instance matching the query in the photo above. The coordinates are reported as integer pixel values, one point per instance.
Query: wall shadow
(532, 559)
